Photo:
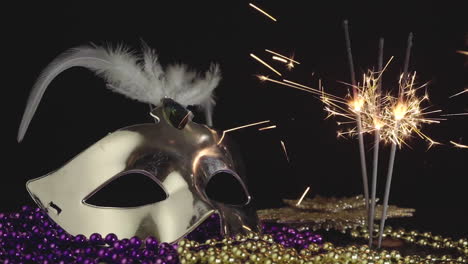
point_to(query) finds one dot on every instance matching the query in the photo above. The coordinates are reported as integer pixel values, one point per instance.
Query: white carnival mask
(179, 155)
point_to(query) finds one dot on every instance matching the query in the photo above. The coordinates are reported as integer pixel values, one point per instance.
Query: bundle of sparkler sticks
(390, 118)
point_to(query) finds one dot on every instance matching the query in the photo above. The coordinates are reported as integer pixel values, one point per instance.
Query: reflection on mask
(182, 160)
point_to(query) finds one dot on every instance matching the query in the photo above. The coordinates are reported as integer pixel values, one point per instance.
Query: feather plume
(141, 78)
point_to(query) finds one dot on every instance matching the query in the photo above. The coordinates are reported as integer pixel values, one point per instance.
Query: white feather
(139, 78)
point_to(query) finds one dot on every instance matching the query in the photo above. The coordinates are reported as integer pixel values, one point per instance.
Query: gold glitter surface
(328, 213)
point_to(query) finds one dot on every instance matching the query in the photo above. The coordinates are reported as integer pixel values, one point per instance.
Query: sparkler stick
(393, 149)
(358, 116)
(375, 163)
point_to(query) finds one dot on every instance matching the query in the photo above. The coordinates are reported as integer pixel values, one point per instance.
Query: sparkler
(399, 113)
(377, 112)
(392, 119)
(262, 11)
(264, 63)
(359, 124)
(375, 163)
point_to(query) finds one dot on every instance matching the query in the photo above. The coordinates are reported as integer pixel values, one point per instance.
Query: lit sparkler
(377, 112)
(362, 154)
(395, 117)
(262, 11)
(375, 163)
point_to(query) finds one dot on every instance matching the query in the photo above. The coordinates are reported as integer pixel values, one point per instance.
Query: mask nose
(241, 220)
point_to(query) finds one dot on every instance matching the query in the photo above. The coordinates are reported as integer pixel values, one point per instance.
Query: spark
(301, 85)
(264, 63)
(303, 195)
(459, 93)
(244, 126)
(240, 127)
(247, 228)
(462, 52)
(396, 117)
(280, 59)
(457, 114)
(266, 128)
(458, 145)
(262, 11)
(284, 150)
(265, 78)
(282, 56)
(377, 111)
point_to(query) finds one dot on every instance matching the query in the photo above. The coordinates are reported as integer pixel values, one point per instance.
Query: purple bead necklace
(29, 236)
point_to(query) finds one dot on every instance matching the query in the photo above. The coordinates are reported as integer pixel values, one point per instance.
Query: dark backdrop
(77, 110)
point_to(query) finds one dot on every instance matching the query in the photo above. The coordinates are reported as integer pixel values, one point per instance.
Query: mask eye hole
(226, 188)
(130, 190)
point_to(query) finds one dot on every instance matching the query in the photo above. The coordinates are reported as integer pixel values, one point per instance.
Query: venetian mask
(180, 156)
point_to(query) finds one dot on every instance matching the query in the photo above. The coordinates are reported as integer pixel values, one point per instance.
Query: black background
(77, 110)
